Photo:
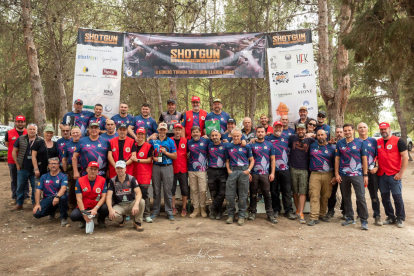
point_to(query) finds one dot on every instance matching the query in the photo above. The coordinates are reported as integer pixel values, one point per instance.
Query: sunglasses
(311, 124)
(321, 116)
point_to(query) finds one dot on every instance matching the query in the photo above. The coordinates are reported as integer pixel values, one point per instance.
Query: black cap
(78, 101)
(322, 113)
(170, 101)
(231, 120)
(122, 125)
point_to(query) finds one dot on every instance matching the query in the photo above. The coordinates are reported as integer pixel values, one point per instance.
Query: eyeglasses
(310, 124)
(54, 164)
(65, 130)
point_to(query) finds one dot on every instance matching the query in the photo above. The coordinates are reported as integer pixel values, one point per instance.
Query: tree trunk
(253, 98)
(172, 82)
(35, 80)
(186, 95)
(210, 94)
(159, 98)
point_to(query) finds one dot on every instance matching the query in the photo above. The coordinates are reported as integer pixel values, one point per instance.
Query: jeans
(388, 185)
(237, 180)
(282, 184)
(166, 175)
(13, 184)
(217, 185)
(358, 184)
(47, 207)
(22, 177)
(103, 212)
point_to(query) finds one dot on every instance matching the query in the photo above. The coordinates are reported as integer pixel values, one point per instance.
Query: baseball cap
(170, 101)
(178, 126)
(141, 130)
(162, 125)
(93, 164)
(301, 126)
(78, 101)
(122, 125)
(231, 120)
(94, 124)
(303, 108)
(21, 118)
(217, 100)
(384, 125)
(49, 128)
(322, 113)
(195, 99)
(120, 164)
(277, 123)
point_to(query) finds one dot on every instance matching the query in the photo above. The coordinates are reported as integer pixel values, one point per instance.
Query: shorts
(183, 179)
(299, 181)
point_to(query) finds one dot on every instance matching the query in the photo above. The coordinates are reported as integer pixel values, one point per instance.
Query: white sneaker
(148, 219)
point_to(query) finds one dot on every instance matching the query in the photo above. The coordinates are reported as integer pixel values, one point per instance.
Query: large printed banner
(238, 55)
(98, 69)
(291, 74)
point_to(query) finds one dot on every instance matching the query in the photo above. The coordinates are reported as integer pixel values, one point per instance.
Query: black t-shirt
(299, 152)
(123, 192)
(43, 155)
(6, 138)
(177, 142)
(149, 151)
(401, 145)
(121, 144)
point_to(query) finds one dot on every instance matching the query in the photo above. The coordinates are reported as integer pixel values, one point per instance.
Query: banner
(291, 74)
(98, 70)
(238, 55)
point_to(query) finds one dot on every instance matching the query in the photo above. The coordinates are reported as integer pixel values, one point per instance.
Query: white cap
(120, 164)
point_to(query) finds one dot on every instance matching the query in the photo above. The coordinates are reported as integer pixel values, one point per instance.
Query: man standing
(164, 154)
(371, 148)
(219, 115)
(321, 179)
(287, 131)
(99, 118)
(123, 117)
(91, 196)
(299, 166)
(143, 121)
(248, 132)
(125, 194)
(78, 117)
(22, 156)
(239, 165)
(351, 169)
(68, 151)
(322, 125)
(226, 137)
(339, 134)
(264, 161)
(110, 131)
(9, 140)
(194, 117)
(392, 162)
(283, 178)
(121, 148)
(91, 148)
(53, 185)
(197, 171)
(303, 114)
(171, 117)
(60, 143)
(264, 121)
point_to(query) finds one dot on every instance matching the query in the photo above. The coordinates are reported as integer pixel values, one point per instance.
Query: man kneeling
(53, 185)
(124, 192)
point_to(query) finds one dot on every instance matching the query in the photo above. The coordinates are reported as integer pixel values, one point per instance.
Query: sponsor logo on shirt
(98, 190)
(183, 146)
(99, 145)
(128, 149)
(85, 189)
(114, 149)
(354, 147)
(141, 154)
(202, 118)
(389, 146)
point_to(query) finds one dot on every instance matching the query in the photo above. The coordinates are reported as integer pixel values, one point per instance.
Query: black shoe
(330, 214)
(252, 216)
(389, 221)
(101, 224)
(313, 222)
(290, 216)
(272, 219)
(276, 214)
(82, 225)
(212, 214)
(219, 216)
(344, 217)
(325, 219)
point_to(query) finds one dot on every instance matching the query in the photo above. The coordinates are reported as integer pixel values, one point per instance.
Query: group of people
(104, 167)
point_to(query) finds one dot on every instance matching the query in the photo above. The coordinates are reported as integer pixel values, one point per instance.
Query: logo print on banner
(288, 56)
(302, 58)
(85, 69)
(280, 77)
(109, 72)
(108, 92)
(304, 73)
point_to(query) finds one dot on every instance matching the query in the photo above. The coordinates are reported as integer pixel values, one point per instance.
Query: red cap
(195, 99)
(277, 123)
(384, 125)
(21, 118)
(178, 125)
(141, 130)
(93, 164)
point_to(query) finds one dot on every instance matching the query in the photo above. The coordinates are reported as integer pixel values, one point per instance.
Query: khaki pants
(320, 190)
(125, 209)
(198, 187)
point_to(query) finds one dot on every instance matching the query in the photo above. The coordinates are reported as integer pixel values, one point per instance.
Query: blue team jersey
(217, 155)
(350, 163)
(81, 119)
(196, 119)
(60, 144)
(68, 151)
(107, 137)
(322, 158)
(281, 146)
(167, 143)
(262, 151)
(326, 128)
(78, 189)
(149, 124)
(371, 149)
(50, 185)
(197, 162)
(222, 117)
(122, 120)
(101, 121)
(230, 139)
(238, 155)
(287, 132)
(93, 151)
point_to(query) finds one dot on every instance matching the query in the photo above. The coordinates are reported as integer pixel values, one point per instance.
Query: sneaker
(63, 222)
(389, 221)
(330, 214)
(101, 224)
(348, 221)
(252, 216)
(344, 217)
(171, 217)
(122, 223)
(153, 216)
(276, 214)
(82, 225)
(219, 216)
(312, 222)
(148, 219)
(378, 221)
(183, 212)
(225, 213)
(302, 219)
(51, 217)
(230, 220)
(325, 219)
(290, 216)
(272, 219)
(297, 214)
(240, 222)
(400, 223)
(175, 211)
(212, 214)
(138, 226)
(364, 225)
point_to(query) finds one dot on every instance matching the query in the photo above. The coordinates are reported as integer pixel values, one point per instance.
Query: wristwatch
(249, 170)
(57, 196)
(365, 175)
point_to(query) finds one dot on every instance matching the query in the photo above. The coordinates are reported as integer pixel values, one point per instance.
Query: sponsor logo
(389, 146)
(88, 145)
(128, 149)
(114, 149)
(85, 189)
(265, 147)
(109, 72)
(306, 103)
(369, 145)
(305, 91)
(108, 92)
(354, 147)
(101, 38)
(304, 73)
(220, 147)
(14, 138)
(288, 56)
(201, 144)
(98, 190)
(85, 69)
(288, 39)
(138, 73)
(379, 147)
(88, 57)
(326, 151)
(302, 59)
(240, 149)
(129, 73)
(57, 181)
(284, 95)
(203, 118)
(280, 77)
(141, 154)
(99, 145)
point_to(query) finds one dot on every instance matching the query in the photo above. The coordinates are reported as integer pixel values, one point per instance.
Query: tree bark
(172, 82)
(159, 98)
(210, 94)
(35, 80)
(398, 110)
(253, 98)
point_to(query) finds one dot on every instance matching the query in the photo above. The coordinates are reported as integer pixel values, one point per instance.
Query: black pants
(373, 194)
(144, 191)
(103, 212)
(217, 185)
(260, 181)
(181, 178)
(358, 183)
(282, 184)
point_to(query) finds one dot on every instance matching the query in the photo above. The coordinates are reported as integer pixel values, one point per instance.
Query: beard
(384, 135)
(321, 141)
(301, 135)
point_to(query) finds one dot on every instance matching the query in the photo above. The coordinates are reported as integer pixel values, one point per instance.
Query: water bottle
(159, 158)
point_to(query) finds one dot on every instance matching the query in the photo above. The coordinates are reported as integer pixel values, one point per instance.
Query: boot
(195, 213)
(203, 212)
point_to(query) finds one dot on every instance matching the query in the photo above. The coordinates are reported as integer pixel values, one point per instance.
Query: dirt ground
(30, 246)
